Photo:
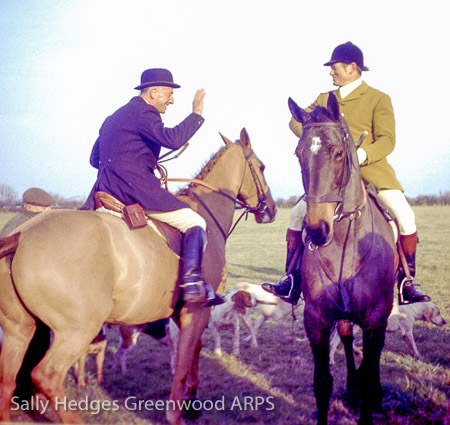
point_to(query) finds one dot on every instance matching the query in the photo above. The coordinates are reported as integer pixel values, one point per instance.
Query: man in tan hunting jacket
(365, 109)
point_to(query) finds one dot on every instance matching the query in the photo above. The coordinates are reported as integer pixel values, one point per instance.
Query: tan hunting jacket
(366, 108)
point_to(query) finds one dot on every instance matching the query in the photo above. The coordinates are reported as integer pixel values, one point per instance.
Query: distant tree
(8, 196)
(287, 203)
(441, 199)
(68, 203)
(446, 197)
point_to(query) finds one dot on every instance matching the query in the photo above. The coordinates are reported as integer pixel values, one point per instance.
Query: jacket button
(109, 159)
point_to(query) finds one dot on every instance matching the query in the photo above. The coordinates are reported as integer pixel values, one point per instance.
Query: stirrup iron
(401, 298)
(288, 277)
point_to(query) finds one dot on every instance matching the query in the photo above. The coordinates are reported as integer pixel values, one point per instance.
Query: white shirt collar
(145, 100)
(344, 91)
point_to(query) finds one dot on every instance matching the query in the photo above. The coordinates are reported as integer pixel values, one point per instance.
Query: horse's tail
(9, 244)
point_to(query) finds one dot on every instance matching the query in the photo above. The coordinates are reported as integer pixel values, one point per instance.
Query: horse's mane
(205, 170)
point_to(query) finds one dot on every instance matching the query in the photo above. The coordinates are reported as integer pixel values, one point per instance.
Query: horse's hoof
(191, 412)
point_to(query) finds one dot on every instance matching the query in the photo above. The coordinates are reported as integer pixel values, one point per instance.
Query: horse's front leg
(369, 374)
(319, 339)
(346, 334)
(192, 383)
(186, 371)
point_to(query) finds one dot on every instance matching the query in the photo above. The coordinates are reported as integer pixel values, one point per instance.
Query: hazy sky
(65, 65)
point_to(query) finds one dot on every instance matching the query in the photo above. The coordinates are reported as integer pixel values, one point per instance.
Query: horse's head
(254, 191)
(327, 155)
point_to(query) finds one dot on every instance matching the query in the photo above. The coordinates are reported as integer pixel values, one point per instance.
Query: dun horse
(75, 270)
(348, 266)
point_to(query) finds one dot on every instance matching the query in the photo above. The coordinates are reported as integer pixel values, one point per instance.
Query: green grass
(279, 372)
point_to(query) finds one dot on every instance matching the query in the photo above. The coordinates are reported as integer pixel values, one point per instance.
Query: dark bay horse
(75, 270)
(348, 265)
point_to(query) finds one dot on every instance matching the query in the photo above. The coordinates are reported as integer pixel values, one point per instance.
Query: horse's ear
(333, 106)
(245, 140)
(298, 113)
(226, 140)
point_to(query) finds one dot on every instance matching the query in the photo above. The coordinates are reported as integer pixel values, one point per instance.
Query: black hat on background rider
(347, 53)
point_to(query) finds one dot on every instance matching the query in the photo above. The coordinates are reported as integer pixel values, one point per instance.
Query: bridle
(339, 212)
(260, 208)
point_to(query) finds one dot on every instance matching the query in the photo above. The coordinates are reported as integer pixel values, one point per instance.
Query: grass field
(278, 374)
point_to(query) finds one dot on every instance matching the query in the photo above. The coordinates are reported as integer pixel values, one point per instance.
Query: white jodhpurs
(297, 215)
(182, 220)
(396, 201)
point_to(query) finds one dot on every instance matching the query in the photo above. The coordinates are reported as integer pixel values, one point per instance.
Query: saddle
(136, 218)
(388, 214)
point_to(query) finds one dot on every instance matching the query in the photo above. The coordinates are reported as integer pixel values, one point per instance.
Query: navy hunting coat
(126, 153)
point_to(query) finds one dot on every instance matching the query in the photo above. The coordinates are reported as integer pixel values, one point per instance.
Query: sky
(65, 65)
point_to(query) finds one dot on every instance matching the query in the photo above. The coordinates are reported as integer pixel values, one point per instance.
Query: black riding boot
(195, 289)
(407, 292)
(289, 287)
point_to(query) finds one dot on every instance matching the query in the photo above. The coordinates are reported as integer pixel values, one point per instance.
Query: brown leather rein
(262, 196)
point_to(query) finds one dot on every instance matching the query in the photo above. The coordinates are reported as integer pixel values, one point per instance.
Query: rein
(260, 208)
(342, 283)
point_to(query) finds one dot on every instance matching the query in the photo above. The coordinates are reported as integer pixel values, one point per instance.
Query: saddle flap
(172, 236)
(135, 217)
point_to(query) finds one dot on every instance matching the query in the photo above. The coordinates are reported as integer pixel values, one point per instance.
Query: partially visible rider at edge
(364, 109)
(126, 154)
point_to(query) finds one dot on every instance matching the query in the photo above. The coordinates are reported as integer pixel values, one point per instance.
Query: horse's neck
(227, 174)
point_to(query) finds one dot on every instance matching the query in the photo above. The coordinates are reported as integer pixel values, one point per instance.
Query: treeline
(11, 201)
(441, 199)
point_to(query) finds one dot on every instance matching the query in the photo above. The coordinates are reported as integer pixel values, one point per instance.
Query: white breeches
(396, 201)
(298, 213)
(182, 220)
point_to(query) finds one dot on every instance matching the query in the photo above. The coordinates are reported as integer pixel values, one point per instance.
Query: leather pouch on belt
(134, 216)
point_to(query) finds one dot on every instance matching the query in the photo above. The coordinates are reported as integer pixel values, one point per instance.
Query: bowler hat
(36, 196)
(347, 53)
(156, 77)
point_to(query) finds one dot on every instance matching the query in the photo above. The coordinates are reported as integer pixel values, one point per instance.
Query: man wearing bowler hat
(364, 109)
(126, 154)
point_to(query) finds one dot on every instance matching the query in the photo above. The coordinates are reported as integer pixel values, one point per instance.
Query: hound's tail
(9, 244)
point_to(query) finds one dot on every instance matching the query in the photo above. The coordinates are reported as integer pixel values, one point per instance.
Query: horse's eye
(339, 154)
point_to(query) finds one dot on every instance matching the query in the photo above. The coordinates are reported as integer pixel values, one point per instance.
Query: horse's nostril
(319, 234)
(325, 228)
